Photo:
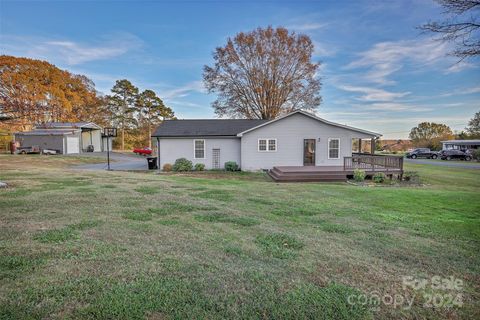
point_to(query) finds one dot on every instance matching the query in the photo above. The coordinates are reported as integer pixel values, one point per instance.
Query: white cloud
(459, 66)
(71, 52)
(75, 53)
(323, 49)
(385, 58)
(396, 106)
(183, 91)
(308, 26)
(186, 104)
(374, 94)
(465, 91)
(470, 90)
(409, 122)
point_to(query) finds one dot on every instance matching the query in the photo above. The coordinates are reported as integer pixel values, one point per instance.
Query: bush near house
(379, 177)
(476, 154)
(182, 164)
(411, 176)
(199, 167)
(231, 166)
(167, 167)
(359, 175)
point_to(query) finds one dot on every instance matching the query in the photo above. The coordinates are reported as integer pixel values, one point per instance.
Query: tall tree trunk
(149, 136)
(123, 139)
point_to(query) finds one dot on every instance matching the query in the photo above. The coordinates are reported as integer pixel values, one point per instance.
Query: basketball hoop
(110, 132)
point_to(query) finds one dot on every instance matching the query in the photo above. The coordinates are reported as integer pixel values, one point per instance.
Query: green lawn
(123, 245)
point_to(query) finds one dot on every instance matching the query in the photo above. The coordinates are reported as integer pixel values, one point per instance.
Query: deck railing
(371, 162)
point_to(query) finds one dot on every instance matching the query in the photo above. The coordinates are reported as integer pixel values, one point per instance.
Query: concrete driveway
(119, 161)
(445, 163)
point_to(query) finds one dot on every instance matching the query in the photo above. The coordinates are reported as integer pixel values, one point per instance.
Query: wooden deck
(370, 164)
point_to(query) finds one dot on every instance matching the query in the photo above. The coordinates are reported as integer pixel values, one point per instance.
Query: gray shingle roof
(47, 132)
(206, 127)
(55, 125)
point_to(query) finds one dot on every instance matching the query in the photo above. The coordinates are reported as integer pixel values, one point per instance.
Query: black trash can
(152, 163)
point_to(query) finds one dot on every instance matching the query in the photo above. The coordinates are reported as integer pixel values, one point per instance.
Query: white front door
(73, 145)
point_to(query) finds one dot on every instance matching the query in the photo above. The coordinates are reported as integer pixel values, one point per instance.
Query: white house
(297, 139)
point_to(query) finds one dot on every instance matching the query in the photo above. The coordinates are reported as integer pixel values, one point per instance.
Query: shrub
(199, 167)
(411, 176)
(359, 175)
(167, 167)
(182, 164)
(379, 177)
(476, 154)
(231, 166)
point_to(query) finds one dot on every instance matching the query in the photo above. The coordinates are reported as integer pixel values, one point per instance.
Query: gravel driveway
(119, 161)
(444, 163)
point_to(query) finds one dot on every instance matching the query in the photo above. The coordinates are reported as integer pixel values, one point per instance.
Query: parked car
(145, 151)
(25, 150)
(50, 151)
(422, 153)
(455, 155)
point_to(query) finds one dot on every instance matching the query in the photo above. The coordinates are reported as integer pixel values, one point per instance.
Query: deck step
(305, 176)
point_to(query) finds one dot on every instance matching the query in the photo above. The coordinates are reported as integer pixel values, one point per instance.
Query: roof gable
(315, 118)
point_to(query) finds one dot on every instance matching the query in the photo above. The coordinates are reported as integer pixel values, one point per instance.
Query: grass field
(123, 245)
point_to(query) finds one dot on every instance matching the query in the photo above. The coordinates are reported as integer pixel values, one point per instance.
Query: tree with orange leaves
(35, 91)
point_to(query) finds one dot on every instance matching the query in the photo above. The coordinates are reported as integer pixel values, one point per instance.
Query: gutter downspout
(158, 154)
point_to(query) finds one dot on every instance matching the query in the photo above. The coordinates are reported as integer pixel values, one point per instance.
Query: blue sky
(378, 72)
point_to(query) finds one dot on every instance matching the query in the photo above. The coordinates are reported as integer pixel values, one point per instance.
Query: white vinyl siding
(267, 145)
(290, 133)
(173, 148)
(199, 149)
(333, 148)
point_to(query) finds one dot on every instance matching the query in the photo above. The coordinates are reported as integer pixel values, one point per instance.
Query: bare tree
(461, 25)
(263, 74)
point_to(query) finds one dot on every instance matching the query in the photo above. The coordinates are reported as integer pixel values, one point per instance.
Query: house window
(272, 145)
(262, 145)
(267, 145)
(199, 149)
(333, 148)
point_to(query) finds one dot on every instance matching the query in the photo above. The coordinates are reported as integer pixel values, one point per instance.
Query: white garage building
(65, 137)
